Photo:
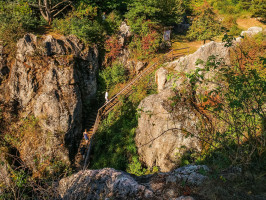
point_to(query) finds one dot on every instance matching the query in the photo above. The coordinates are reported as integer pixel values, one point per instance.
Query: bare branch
(60, 4)
(42, 12)
(36, 6)
(61, 10)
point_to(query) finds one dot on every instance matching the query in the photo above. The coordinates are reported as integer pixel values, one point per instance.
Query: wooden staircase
(89, 126)
(125, 92)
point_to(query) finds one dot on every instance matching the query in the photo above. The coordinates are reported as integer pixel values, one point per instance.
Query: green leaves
(16, 19)
(205, 26)
(163, 12)
(111, 76)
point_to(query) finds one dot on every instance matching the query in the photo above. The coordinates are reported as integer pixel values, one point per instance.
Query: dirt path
(245, 23)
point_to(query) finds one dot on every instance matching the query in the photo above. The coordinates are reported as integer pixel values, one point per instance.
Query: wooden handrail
(101, 111)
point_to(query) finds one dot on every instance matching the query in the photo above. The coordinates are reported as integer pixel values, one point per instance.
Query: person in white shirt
(106, 97)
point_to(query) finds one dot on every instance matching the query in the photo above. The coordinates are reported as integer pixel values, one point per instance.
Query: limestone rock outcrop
(162, 134)
(166, 130)
(252, 31)
(124, 34)
(112, 184)
(187, 63)
(5, 179)
(54, 80)
(124, 37)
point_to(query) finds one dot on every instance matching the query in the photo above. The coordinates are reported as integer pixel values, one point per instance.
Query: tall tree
(205, 25)
(259, 9)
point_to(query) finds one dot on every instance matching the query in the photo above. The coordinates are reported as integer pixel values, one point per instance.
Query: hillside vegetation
(231, 116)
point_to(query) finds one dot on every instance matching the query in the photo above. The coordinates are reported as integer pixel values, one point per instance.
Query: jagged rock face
(161, 136)
(4, 174)
(187, 63)
(54, 80)
(124, 34)
(113, 184)
(4, 70)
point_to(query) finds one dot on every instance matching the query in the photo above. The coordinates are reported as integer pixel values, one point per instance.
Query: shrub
(89, 31)
(112, 22)
(113, 48)
(205, 26)
(147, 43)
(229, 23)
(87, 24)
(160, 11)
(111, 76)
(84, 23)
(232, 114)
(16, 19)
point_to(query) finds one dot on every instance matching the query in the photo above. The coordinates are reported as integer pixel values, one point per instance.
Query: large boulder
(252, 31)
(113, 184)
(163, 131)
(53, 80)
(167, 130)
(187, 63)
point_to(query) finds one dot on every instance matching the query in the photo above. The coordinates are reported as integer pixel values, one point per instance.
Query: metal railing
(126, 91)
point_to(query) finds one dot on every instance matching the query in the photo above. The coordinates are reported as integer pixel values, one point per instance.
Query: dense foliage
(163, 12)
(115, 145)
(205, 25)
(232, 107)
(232, 116)
(16, 19)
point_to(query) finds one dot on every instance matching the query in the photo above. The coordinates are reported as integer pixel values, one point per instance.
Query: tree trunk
(50, 11)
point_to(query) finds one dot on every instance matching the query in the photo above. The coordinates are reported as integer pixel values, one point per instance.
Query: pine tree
(205, 25)
(258, 9)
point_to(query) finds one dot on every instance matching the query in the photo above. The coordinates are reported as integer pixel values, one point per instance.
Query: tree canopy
(164, 12)
(205, 25)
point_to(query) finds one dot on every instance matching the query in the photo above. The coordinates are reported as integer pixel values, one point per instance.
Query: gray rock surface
(163, 130)
(140, 66)
(189, 174)
(53, 80)
(124, 33)
(187, 63)
(5, 179)
(162, 133)
(112, 184)
(102, 184)
(252, 31)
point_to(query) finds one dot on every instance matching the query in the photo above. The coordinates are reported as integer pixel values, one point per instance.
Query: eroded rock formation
(112, 184)
(167, 130)
(54, 80)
